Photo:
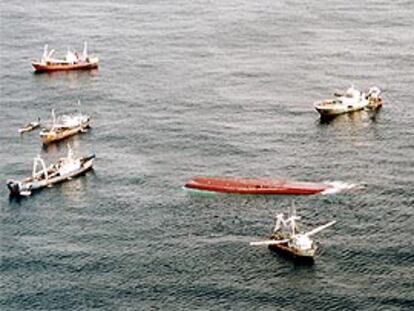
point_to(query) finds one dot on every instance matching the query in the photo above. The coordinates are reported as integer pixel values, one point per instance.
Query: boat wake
(225, 239)
(341, 187)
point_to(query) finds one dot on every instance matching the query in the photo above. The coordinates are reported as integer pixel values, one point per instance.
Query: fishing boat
(72, 61)
(29, 126)
(65, 169)
(287, 238)
(256, 186)
(64, 126)
(349, 101)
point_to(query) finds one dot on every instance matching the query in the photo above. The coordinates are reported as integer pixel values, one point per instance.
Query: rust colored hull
(39, 67)
(256, 186)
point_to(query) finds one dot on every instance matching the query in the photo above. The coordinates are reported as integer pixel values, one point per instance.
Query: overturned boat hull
(256, 186)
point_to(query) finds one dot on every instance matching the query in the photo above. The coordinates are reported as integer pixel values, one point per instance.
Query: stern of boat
(13, 187)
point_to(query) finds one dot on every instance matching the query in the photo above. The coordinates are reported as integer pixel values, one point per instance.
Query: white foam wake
(340, 186)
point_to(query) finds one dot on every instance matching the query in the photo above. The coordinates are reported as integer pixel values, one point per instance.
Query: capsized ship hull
(256, 186)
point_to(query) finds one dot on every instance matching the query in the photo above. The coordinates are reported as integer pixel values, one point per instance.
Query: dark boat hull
(290, 251)
(39, 67)
(256, 186)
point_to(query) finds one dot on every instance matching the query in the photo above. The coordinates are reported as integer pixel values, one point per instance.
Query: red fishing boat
(256, 186)
(72, 61)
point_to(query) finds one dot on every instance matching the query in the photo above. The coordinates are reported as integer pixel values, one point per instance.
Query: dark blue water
(208, 88)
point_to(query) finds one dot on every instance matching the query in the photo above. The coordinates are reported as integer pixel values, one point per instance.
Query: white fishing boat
(348, 101)
(287, 238)
(64, 126)
(65, 169)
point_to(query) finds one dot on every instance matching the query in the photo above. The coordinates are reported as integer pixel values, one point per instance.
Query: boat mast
(44, 52)
(85, 51)
(280, 222)
(79, 104)
(293, 218)
(53, 119)
(70, 152)
(36, 161)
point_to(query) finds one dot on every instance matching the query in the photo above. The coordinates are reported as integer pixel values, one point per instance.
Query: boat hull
(29, 185)
(308, 254)
(255, 186)
(41, 67)
(28, 128)
(49, 137)
(328, 110)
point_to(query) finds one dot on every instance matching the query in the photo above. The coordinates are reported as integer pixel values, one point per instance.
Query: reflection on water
(296, 262)
(62, 146)
(358, 118)
(15, 199)
(74, 189)
(71, 78)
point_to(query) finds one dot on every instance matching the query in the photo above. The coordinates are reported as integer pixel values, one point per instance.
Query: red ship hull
(256, 186)
(39, 67)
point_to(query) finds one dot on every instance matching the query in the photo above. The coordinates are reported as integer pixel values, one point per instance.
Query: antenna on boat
(292, 218)
(45, 51)
(38, 160)
(50, 53)
(79, 105)
(280, 222)
(85, 51)
(70, 152)
(53, 118)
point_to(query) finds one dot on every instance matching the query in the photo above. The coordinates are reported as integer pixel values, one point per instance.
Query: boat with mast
(64, 126)
(63, 170)
(349, 101)
(287, 238)
(72, 61)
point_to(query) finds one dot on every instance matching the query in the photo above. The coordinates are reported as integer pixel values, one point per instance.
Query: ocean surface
(214, 88)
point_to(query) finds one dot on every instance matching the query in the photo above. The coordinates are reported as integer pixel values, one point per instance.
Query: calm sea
(208, 88)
